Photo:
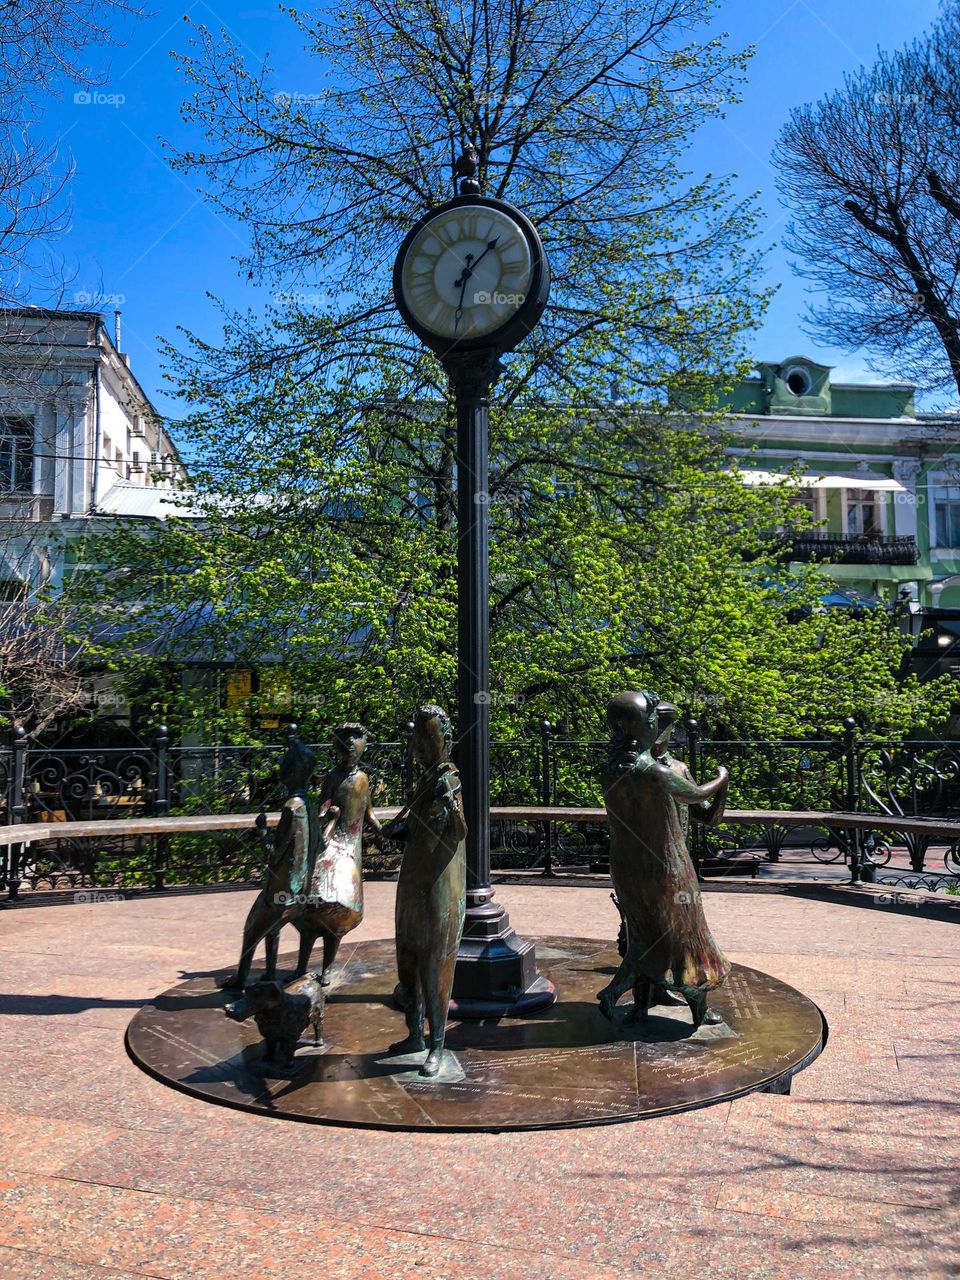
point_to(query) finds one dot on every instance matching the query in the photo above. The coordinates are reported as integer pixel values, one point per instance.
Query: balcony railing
(852, 548)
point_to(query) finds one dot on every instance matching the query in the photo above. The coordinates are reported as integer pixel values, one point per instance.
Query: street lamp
(471, 280)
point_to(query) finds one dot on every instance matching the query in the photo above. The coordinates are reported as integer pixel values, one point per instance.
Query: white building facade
(77, 435)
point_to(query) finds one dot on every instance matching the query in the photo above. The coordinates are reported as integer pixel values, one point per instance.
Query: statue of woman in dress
(334, 903)
(313, 878)
(431, 889)
(669, 946)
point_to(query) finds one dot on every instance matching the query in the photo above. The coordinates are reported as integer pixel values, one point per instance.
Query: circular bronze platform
(566, 1065)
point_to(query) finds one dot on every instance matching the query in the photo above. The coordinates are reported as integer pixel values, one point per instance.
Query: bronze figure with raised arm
(669, 945)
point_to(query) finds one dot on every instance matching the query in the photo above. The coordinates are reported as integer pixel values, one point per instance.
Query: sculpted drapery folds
(313, 878)
(669, 945)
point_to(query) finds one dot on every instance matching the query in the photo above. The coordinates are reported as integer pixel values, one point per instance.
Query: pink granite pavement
(106, 1174)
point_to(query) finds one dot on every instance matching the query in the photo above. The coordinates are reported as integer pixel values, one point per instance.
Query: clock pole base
(541, 995)
(496, 974)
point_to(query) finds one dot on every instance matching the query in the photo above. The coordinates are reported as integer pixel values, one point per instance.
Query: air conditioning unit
(135, 467)
(139, 425)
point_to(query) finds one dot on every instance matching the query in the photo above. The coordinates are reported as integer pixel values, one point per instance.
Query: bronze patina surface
(566, 1065)
(313, 878)
(431, 890)
(669, 947)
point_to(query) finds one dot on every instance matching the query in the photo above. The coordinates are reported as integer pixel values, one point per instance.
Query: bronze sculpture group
(313, 877)
(313, 880)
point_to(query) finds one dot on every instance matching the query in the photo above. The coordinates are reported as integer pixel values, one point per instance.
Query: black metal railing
(905, 778)
(853, 548)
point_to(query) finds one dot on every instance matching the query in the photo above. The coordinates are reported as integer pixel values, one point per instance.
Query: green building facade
(883, 481)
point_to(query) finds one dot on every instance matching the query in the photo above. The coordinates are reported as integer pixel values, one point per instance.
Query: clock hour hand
(461, 280)
(464, 277)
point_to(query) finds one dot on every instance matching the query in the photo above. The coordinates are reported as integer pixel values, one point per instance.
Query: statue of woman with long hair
(669, 945)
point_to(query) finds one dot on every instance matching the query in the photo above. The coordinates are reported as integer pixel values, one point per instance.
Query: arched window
(16, 455)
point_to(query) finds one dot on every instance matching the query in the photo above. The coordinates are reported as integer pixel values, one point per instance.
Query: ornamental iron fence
(907, 778)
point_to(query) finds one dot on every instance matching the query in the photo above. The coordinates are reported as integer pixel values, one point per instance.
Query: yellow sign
(239, 688)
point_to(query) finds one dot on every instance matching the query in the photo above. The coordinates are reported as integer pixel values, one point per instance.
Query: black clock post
(496, 971)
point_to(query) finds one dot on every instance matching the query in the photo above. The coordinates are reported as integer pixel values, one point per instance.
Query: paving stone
(24, 1264)
(106, 1174)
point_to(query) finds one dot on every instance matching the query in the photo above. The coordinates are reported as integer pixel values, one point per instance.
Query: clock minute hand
(489, 249)
(464, 277)
(462, 281)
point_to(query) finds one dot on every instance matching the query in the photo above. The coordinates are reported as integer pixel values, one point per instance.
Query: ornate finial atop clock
(466, 169)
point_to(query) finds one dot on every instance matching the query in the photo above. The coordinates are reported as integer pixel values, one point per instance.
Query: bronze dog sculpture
(282, 1014)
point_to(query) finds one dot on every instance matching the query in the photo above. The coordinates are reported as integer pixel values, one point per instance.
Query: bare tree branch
(873, 175)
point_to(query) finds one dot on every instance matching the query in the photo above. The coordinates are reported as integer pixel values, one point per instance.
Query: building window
(946, 515)
(16, 455)
(798, 380)
(863, 513)
(809, 499)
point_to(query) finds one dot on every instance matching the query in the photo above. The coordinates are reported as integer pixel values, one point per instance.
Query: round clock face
(467, 272)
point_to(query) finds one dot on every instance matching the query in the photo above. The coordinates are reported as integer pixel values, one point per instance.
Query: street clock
(472, 274)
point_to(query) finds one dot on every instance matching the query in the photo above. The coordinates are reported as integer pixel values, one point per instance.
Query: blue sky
(141, 233)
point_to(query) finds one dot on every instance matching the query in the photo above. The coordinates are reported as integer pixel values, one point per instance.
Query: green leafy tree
(322, 437)
(580, 114)
(647, 565)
